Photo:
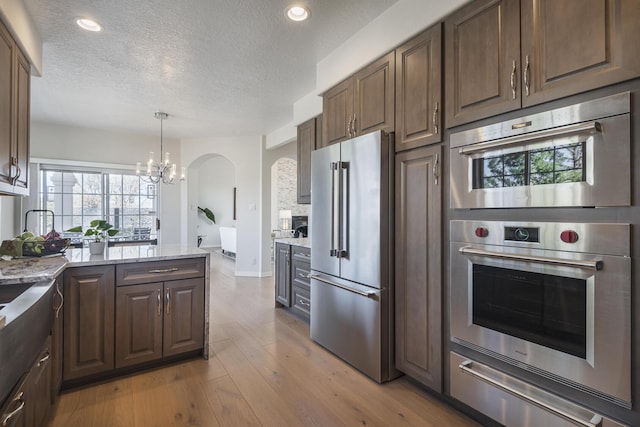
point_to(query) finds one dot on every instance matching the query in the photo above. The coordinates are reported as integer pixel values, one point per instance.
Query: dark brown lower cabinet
(88, 321)
(419, 265)
(139, 314)
(155, 320)
(56, 340)
(283, 274)
(38, 389)
(14, 411)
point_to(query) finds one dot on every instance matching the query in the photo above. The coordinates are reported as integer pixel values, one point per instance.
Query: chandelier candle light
(164, 171)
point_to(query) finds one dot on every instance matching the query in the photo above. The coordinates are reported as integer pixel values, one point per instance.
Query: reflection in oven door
(551, 307)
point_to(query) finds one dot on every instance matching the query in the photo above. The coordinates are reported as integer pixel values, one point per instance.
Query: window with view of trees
(552, 165)
(78, 197)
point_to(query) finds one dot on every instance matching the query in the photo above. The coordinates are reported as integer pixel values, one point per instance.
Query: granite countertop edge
(304, 242)
(26, 270)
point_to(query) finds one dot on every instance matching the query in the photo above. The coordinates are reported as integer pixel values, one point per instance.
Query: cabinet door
(183, 316)
(419, 266)
(337, 113)
(375, 96)
(13, 413)
(39, 388)
(6, 79)
(283, 274)
(571, 46)
(482, 53)
(139, 313)
(88, 321)
(56, 340)
(21, 148)
(418, 90)
(306, 144)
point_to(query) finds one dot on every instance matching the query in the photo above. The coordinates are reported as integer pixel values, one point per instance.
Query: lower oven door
(564, 315)
(513, 402)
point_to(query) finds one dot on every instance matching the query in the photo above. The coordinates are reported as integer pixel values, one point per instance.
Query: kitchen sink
(9, 293)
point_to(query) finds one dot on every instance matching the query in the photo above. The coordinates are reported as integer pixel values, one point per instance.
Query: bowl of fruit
(28, 244)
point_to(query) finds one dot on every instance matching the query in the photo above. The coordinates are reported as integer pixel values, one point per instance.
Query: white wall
(216, 181)
(115, 149)
(9, 227)
(246, 155)
(19, 22)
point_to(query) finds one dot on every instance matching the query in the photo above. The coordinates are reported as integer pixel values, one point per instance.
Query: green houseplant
(98, 230)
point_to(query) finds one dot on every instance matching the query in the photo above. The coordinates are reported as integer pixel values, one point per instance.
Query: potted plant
(98, 230)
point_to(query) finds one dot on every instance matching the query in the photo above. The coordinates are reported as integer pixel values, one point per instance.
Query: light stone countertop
(25, 270)
(304, 242)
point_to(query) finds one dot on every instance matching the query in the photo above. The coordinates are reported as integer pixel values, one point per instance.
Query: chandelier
(163, 170)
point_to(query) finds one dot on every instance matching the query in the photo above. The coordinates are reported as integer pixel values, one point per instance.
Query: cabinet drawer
(158, 271)
(301, 301)
(301, 253)
(300, 273)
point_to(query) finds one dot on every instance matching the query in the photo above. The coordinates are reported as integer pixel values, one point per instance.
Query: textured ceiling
(218, 67)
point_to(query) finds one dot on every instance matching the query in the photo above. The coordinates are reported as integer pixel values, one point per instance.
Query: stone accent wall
(288, 187)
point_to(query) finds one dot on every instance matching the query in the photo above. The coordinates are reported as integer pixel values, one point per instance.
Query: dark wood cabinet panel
(363, 103)
(571, 46)
(13, 412)
(15, 84)
(183, 316)
(306, 143)
(301, 300)
(482, 54)
(419, 90)
(139, 314)
(38, 390)
(155, 271)
(337, 113)
(419, 265)
(88, 321)
(374, 94)
(283, 274)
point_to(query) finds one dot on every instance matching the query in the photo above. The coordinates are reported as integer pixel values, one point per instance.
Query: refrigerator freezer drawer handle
(368, 294)
(467, 367)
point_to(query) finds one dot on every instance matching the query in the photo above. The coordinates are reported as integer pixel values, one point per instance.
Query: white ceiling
(218, 67)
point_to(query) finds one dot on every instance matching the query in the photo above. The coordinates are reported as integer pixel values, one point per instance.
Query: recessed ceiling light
(88, 24)
(297, 13)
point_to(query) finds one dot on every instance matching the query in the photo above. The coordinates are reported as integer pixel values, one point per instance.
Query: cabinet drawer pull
(303, 303)
(58, 308)
(44, 358)
(353, 125)
(168, 302)
(435, 118)
(303, 276)
(164, 270)
(7, 418)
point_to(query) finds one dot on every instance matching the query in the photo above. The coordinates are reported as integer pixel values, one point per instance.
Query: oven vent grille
(545, 374)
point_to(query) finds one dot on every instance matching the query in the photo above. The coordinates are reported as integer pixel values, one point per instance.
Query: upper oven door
(574, 156)
(558, 312)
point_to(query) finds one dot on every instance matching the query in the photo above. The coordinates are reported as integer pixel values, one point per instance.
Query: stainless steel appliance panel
(346, 320)
(494, 166)
(515, 403)
(364, 161)
(325, 220)
(606, 273)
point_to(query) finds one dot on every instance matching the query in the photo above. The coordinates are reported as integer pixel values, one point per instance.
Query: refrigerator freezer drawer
(513, 402)
(346, 322)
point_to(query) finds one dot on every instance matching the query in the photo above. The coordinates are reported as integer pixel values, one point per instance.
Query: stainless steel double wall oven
(549, 298)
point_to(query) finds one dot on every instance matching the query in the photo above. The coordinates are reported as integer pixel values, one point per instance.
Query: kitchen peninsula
(131, 308)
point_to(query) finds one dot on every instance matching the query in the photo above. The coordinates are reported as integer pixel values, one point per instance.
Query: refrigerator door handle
(332, 221)
(343, 250)
(368, 294)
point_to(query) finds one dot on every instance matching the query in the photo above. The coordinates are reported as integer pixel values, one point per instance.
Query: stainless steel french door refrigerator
(351, 255)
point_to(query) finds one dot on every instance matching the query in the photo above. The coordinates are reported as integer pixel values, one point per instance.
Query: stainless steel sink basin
(28, 313)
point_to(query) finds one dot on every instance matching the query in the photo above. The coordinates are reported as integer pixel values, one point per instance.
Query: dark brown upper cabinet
(309, 135)
(361, 104)
(419, 90)
(15, 85)
(502, 55)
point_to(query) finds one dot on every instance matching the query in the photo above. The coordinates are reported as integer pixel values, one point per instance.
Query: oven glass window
(551, 165)
(541, 308)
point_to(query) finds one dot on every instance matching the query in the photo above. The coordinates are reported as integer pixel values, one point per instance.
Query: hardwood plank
(228, 403)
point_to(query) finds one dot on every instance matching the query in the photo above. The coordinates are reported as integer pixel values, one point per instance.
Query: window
(79, 196)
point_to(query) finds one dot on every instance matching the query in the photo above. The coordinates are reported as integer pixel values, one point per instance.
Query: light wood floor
(263, 371)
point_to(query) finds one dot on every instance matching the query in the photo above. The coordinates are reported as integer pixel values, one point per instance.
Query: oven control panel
(522, 234)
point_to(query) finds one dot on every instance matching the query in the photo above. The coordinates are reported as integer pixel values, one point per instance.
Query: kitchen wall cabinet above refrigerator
(15, 85)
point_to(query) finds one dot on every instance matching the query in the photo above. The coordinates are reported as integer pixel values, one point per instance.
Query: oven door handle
(595, 421)
(584, 264)
(590, 127)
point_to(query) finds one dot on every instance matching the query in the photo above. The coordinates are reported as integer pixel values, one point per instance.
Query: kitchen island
(131, 308)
